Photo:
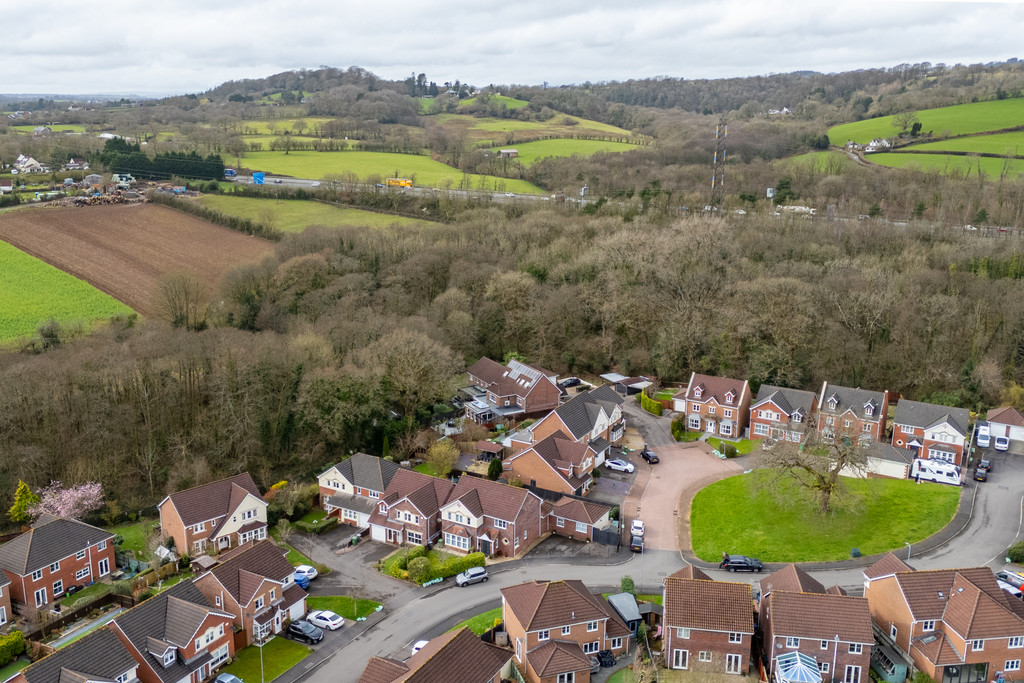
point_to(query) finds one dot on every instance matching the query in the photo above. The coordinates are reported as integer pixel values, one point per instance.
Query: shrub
(627, 585)
(419, 570)
(146, 594)
(494, 469)
(1016, 552)
(729, 450)
(398, 572)
(417, 552)
(678, 428)
(457, 565)
(649, 404)
(11, 645)
(613, 514)
(324, 526)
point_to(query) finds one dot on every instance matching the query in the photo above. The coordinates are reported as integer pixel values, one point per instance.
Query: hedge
(11, 646)
(323, 527)
(678, 428)
(650, 405)
(457, 565)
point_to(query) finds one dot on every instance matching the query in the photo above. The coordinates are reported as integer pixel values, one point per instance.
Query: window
(823, 667)
(55, 567)
(591, 648)
(733, 664)
(581, 527)
(519, 649)
(216, 600)
(728, 413)
(761, 429)
(852, 674)
(259, 602)
(1012, 665)
(683, 633)
(37, 574)
(124, 678)
(846, 423)
(729, 397)
(58, 587)
(455, 541)
(543, 635)
(680, 659)
(196, 528)
(830, 420)
(566, 630)
(856, 648)
(524, 534)
(704, 656)
(249, 514)
(797, 417)
(869, 410)
(792, 642)
(273, 594)
(82, 573)
(928, 625)
(1016, 641)
(500, 524)
(616, 643)
(567, 677)
(694, 423)
(866, 427)
(373, 494)
(735, 637)
(892, 631)
(824, 645)
(726, 430)
(169, 657)
(220, 655)
(711, 410)
(102, 545)
(591, 626)
(3, 615)
(414, 538)
(80, 555)
(977, 645)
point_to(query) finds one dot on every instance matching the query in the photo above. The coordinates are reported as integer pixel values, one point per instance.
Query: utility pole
(718, 164)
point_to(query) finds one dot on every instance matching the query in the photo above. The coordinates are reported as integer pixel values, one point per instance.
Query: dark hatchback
(742, 563)
(636, 544)
(303, 630)
(649, 456)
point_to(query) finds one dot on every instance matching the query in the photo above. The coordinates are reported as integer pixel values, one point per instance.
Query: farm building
(508, 153)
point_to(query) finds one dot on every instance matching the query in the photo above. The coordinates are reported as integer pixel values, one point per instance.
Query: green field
(423, 170)
(262, 126)
(529, 152)
(56, 128)
(264, 140)
(947, 163)
(295, 215)
(997, 143)
(743, 515)
(509, 102)
(554, 126)
(824, 162)
(961, 119)
(32, 292)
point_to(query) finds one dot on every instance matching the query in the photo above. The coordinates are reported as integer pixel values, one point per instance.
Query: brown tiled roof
(1007, 415)
(383, 670)
(560, 451)
(793, 579)
(836, 590)
(514, 379)
(689, 572)
(887, 566)
(579, 510)
(242, 574)
(213, 500)
(455, 656)
(490, 498)
(820, 616)
(551, 604)
(977, 608)
(713, 388)
(708, 605)
(937, 649)
(425, 492)
(557, 657)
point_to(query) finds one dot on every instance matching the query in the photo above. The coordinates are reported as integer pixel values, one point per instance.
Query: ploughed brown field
(124, 250)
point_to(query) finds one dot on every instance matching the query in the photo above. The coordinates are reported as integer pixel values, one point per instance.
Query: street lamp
(907, 543)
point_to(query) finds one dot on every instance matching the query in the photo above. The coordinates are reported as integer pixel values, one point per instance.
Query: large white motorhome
(937, 471)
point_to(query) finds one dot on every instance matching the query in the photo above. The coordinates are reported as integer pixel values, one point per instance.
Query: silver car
(471, 575)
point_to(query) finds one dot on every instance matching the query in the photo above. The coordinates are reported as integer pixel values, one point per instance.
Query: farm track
(125, 250)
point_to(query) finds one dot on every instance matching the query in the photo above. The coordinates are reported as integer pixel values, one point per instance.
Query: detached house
(455, 656)
(781, 414)
(76, 165)
(852, 413)
(555, 626)
(932, 432)
(99, 657)
(53, 555)
(708, 625)
(556, 464)
(956, 625)
(489, 517)
(515, 391)
(409, 510)
(593, 418)
(716, 405)
(255, 585)
(350, 490)
(219, 515)
(176, 636)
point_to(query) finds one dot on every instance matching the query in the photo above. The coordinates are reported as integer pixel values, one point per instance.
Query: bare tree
(817, 464)
(182, 301)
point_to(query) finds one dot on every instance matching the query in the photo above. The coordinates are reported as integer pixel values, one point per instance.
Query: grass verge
(743, 446)
(13, 668)
(481, 622)
(343, 605)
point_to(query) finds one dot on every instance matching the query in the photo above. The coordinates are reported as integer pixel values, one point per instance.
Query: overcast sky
(189, 45)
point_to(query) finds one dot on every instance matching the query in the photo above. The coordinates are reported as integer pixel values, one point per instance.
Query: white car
(419, 645)
(325, 619)
(637, 527)
(307, 571)
(619, 465)
(510, 194)
(1002, 443)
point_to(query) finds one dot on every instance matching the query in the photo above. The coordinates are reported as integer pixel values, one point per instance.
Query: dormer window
(798, 417)
(869, 409)
(169, 657)
(833, 403)
(384, 508)
(697, 392)
(729, 397)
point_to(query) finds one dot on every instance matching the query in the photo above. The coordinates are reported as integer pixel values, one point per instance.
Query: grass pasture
(742, 514)
(530, 152)
(32, 292)
(960, 119)
(422, 169)
(278, 126)
(949, 163)
(830, 161)
(997, 143)
(296, 215)
(57, 128)
(509, 102)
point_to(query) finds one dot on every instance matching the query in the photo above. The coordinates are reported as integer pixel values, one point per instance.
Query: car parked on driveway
(742, 563)
(322, 618)
(617, 465)
(307, 571)
(636, 544)
(1015, 580)
(471, 576)
(228, 678)
(985, 464)
(303, 630)
(637, 527)
(1001, 443)
(649, 456)
(980, 474)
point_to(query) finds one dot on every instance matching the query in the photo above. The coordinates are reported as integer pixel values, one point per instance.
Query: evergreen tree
(24, 498)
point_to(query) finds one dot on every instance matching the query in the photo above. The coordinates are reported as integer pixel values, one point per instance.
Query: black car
(985, 464)
(569, 382)
(980, 474)
(742, 563)
(636, 544)
(649, 456)
(303, 630)
(606, 658)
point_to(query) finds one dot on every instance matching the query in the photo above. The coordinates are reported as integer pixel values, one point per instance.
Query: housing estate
(716, 405)
(218, 515)
(51, 556)
(513, 391)
(956, 625)
(350, 490)
(708, 625)
(1006, 421)
(593, 418)
(933, 432)
(458, 655)
(555, 626)
(851, 413)
(98, 657)
(781, 414)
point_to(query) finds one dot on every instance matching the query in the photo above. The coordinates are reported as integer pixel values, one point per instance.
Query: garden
(419, 565)
(279, 655)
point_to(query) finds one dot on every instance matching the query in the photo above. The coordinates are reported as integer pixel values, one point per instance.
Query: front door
(485, 547)
(709, 426)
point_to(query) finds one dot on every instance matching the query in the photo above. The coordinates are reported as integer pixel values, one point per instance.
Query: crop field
(509, 102)
(296, 216)
(125, 250)
(530, 152)
(948, 163)
(997, 143)
(32, 292)
(961, 119)
(422, 169)
(56, 128)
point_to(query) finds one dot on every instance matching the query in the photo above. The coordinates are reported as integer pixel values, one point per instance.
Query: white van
(935, 470)
(982, 435)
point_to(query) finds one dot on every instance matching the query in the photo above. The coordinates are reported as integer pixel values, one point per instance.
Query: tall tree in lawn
(442, 456)
(24, 499)
(816, 464)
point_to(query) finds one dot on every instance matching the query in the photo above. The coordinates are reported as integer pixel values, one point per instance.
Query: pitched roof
(49, 540)
(367, 471)
(209, 501)
(456, 656)
(892, 453)
(820, 616)
(1007, 415)
(925, 415)
(242, 574)
(579, 414)
(550, 604)
(713, 388)
(851, 399)
(579, 510)
(427, 493)
(556, 657)
(793, 579)
(708, 605)
(383, 670)
(789, 401)
(99, 656)
(483, 496)
(689, 572)
(887, 566)
(968, 600)
(514, 379)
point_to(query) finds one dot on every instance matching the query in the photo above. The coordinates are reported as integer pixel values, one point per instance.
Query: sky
(189, 46)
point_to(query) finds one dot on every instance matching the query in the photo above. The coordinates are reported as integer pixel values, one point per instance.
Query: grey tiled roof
(368, 471)
(350, 501)
(580, 412)
(924, 415)
(895, 454)
(49, 540)
(97, 656)
(788, 400)
(851, 399)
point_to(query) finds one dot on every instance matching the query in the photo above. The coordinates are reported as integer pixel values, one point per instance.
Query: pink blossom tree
(71, 502)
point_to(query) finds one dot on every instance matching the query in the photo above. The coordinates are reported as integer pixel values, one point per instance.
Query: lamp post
(907, 543)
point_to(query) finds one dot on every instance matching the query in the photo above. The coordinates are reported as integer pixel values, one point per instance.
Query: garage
(1007, 421)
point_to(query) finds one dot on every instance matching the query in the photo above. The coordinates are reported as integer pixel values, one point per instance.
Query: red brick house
(5, 599)
(176, 636)
(956, 625)
(255, 585)
(933, 432)
(576, 519)
(555, 626)
(490, 517)
(458, 655)
(409, 510)
(594, 419)
(218, 515)
(555, 463)
(97, 657)
(708, 625)
(781, 414)
(54, 554)
(852, 412)
(512, 391)
(350, 490)
(716, 405)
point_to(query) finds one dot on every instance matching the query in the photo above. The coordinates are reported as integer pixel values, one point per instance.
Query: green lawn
(830, 161)
(263, 141)
(279, 655)
(481, 622)
(529, 152)
(948, 163)
(56, 128)
(427, 469)
(33, 292)
(999, 143)
(646, 597)
(136, 536)
(961, 119)
(344, 605)
(88, 594)
(13, 668)
(296, 558)
(313, 517)
(424, 171)
(691, 436)
(264, 126)
(743, 446)
(295, 215)
(742, 514)
(666, 394)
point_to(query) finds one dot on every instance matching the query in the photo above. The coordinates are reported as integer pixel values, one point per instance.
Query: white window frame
(823, 667)
(682, 633)
(977, 645)
(566, 630)
(760, 429)
(80, 555)
(414, 537)
(169, 657)
(735, 637)
(1012, 665)
(3, 614)
(856, 648)
(544, 635)
(704, 656)
(259, 602)
(792, 642)
(581, 527)
(1015, 642)
(58, 587)
(55, 567)
(733, 663)
(852, 674)
(37, 574)
(102, 545)
(82, 573)
(824, 644)
(559, 522)
(569, 677)
(928, 625)
(676, 664)
(616, 643)
(124, 678)
(40, 592)
(197, 528)
(591, 647)
(500, 524)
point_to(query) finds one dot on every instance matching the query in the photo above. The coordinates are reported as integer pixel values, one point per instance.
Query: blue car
(302, 580)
